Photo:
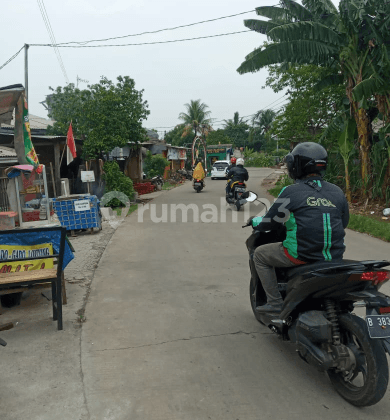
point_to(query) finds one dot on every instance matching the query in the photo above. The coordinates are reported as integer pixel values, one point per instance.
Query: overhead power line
(12, 58)
(154, 32)
(142, 43)
(49, 29)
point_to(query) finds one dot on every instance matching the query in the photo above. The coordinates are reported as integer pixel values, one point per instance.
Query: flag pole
(63, 152)
(66, 145)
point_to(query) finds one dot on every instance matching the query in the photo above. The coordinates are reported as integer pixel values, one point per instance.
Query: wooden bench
(27, 278)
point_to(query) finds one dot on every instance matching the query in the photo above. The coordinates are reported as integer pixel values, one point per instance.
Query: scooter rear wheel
(370, 378)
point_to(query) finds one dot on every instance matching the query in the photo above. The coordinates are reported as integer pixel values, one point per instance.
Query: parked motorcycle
(198, 185)
(317, 316)
(235, 197)
(158, 181)
(185, 173)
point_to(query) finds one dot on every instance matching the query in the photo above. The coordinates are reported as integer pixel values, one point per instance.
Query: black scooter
(317, 317)
(237, 195)
(198, 185)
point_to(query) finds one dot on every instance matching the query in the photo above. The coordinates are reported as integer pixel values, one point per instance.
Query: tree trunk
(348, 185)
(363, 122)
(363, 128)
(383, 107)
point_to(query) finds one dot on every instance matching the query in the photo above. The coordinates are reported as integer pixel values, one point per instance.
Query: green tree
(261, 125)
(218, 137)
(116, 180)
(263, 120)
(176, 138)
(67, 104)
(352, 41)
(107, 115)
(237, 130)
(155, 165)
(196, 118)
(309, 111)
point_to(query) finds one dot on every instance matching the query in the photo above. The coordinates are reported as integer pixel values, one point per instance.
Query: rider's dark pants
(228, 190)
(266, 258)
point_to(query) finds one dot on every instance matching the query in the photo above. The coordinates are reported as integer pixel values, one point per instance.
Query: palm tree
(196, 118)
(263, 119)
(351, 40)
(237, 130)
(235, 122)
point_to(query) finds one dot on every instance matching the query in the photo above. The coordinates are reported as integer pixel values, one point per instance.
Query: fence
(4, 203)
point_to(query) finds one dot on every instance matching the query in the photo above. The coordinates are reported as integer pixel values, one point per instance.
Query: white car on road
(219, 169)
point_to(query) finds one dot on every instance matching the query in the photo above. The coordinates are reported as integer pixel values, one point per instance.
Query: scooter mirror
(251, 197)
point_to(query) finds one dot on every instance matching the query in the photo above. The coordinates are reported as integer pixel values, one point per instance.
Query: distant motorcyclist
(199, 174)
(315, 213)
(233, 161)
(236, 174)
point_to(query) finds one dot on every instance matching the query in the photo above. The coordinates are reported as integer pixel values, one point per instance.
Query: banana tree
(346, 142)
(345, 39)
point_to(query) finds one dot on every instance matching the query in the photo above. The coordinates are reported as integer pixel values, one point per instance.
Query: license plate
(240, 190)
(198, 184)
(220, 169)
(378, 326)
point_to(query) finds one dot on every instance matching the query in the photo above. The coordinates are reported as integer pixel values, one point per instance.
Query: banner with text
(14, 252)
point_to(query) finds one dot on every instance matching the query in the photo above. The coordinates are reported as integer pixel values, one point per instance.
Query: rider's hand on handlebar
(255, 221)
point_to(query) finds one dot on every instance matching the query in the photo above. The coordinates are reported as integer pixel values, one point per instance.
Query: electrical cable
(12, 58)
(46, 19)
(154, 32)
(141, 43)
(50, 31)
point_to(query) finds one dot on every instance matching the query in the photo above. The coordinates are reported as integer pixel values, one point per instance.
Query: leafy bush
(155, 165)
(117, 181)
(260, 160)
(281, 152)
(283, 181)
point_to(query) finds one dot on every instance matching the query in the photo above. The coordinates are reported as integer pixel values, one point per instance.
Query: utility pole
(80, 80)
(26, 47)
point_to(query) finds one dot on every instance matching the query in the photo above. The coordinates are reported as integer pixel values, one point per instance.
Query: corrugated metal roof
(34, 136)
(35, 122)
(7, 152)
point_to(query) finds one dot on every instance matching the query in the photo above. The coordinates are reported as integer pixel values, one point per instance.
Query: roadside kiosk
(218, 152)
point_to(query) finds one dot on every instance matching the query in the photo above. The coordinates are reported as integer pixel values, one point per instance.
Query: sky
(170, 74)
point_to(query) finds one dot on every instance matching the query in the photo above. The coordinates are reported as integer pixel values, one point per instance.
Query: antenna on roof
(81, 80)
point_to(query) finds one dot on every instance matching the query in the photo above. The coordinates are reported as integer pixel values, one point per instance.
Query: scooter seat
(323, 268)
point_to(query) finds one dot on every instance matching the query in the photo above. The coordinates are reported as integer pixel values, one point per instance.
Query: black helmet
(306, 158)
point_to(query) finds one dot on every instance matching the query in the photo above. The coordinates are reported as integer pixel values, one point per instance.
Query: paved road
(170, 334)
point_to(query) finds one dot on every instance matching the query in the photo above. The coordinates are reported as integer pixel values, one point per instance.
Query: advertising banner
(10, 252)
(31, 156)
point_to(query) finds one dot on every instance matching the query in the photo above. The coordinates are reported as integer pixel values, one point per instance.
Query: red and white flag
(70, 146)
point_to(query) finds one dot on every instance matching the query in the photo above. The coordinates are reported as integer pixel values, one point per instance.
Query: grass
(282, 182)
(365, 224)
(275, 191)
(168, 186)
(132, 208)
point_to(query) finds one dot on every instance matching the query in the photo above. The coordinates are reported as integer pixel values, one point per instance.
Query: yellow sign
(15, 252)
(31, 190)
